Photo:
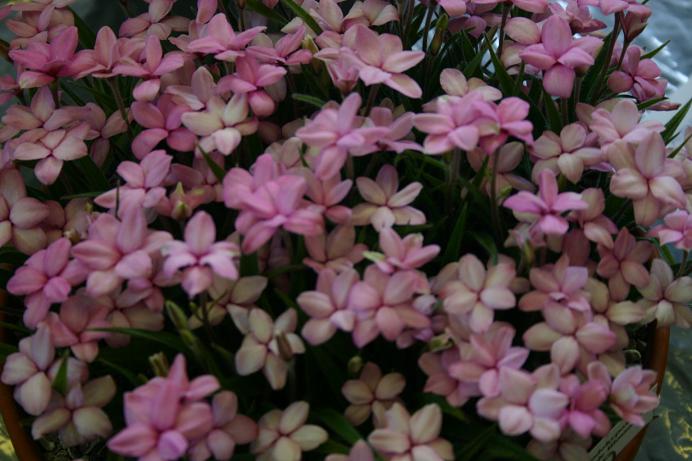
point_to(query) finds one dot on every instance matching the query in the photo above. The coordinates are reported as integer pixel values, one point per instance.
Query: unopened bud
(285, 350)
(159, 363)
(440, 342)
(633, 25)
(438, 38)
(355, 364)
(177, 315)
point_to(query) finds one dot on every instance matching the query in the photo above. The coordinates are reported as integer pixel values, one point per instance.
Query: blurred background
(669, 436)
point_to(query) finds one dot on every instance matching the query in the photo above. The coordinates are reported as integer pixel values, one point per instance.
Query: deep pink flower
(44, 62)
(329, 193)
(386, 206)
(583, 413)
(497, 122)
(641, 76)
(545, 210)
(252, 78)
(46, 278)
(623, 265)
(162, 121)
(268, 201)
(20, 216)
(558, 55)
(632, 394)
(220, 40)
(451, 125)
(557, 285)
(200, 256)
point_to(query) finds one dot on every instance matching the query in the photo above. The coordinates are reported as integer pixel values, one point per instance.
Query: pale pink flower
(371, 13)
(533, 6)
(46, 278)
(252, 78)
(150, 66)
(558, 55)
(327, 305)
(451, 124)
(161, 121)
(226, 296)
(284, 435)
(583, 414)
(75, 326)
(336, 132)
(619, 312)
(544, 211)
(641, 76)
(383, 305)
(155, 22)
(597, 227)
(572, 338)
(527, 403)
(329, 193)
(328, 15)
(287, 50)
(476, 292)
(230, 429)
(78, 417)
(360, 452)
(372, 393)
(20, 216)
(510, 156)
(568, 153)
(380, 59)
(385, 206)
(579, 17)
(632, 394)
(621, 124)
(485, 355)
(118, 250)
(52, 149)
(617, 6)
(108, 50)
(102, 129)
(441, 381)
(454, 8)
(454, 83)
(268, 344)
(143, 183)
(676, 228)
(557, 285)
(221, 40)
(623, 265)
(200, 256)
(403, 254)
(166, 415)
(222, 124)
(337, 250)
(269, 201)
(125, 314)
(412, 437)
(42, 63)
(648, 179)
(28, 371)
(569, 447)
(399, 130)
(665, 298)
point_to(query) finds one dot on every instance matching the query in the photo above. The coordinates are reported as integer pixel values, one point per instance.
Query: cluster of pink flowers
(199, 203)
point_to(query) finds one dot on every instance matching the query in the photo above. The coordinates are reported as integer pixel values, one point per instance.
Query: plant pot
(25, 447)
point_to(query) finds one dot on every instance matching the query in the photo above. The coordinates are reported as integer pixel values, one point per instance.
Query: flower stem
(120, 102)
(428, 21)
(371, 98)
(505, 14)
(494, 206)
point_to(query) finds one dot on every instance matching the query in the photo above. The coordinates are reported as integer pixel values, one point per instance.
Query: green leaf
(261, 8)
(502, 447)
(333, 375)
(338, 424)
(505, 81)
(302, 14)
(92, 194)
(7, 349)
(127, 374)
(646, 104)
(215, 167)
(554, 119)
(679, 148)
(472, 448)
(453, 249)
(249, 264)
(312, 100)
(165, 339)
(488, 244)
(674, 123)
(60, 380)
(446, 408)
(653, 53)
(87, 37)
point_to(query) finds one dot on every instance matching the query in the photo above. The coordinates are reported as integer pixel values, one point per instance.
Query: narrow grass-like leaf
(457, 235)
(338, 424)
(653, 53)
(674, 123)
(161, 337)
(306, 98)
(213, 166)
(554, 119)
(260, 8)
(302, 14)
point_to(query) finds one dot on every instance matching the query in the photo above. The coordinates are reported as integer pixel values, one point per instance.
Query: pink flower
(533, 6)
(75, 326)
(252, 78)
(230, 429)
(283, 435)
(151, 65)
(268, 345)
(527, 403)
(380, 59)
(385, 206)
(360, 451)
(20, 216)
(222, 124)
(558, 55)
(399, 130)
(676, 228)
(336, 132)
(452, 124)
(596, 226)
(118, 250)
(632, 395)
(226, 296)
(616, 6)
(106, 54)
(287, 49)
(578, 15)
(641, 76)
(497, 122)
(476, 293)
(648, 179)
(510, 156)
(441, 381)
(329, 193)
(382, 304)
(166, 416)
(403, 254)
(623, 265)
(485, 355)
(568, 153)
(371, 13)
(28, 371)
(268, 201)
(78, 417)
(46, 278)
(414, 436)
(454, 83)
(545, 210)
(621, 124)
(337, 250)
(666, 299)
(42, 62)
(200, 256)
(220, 40)
(371, 393)
(583, 413)
(557, 285)
(154, 22)
(327, 305)
(571, 337)
(162, 121)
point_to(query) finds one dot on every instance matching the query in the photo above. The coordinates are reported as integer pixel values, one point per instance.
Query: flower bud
(438, 38)
(285, 351)
(159, 363)
(355, 364)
